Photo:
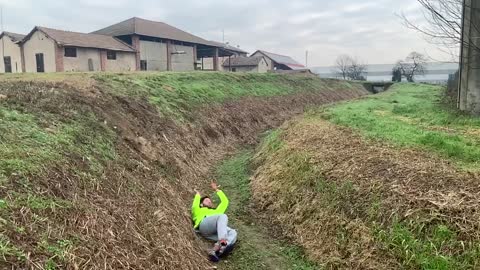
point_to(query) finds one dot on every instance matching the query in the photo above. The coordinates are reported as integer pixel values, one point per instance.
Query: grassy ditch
(91, 165)
(256, 248)
(413, 115)
(346, 223)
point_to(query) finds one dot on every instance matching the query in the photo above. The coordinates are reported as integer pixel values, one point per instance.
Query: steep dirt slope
(97, 173)
(355, 203)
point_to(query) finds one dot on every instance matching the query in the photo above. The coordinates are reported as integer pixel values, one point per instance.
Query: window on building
(143, 64)
(70, 52)
(111, 55)
(7, 61)
(234, 69)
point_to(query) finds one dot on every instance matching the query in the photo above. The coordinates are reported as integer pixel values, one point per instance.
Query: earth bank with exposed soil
(359, 202)
(98, 170)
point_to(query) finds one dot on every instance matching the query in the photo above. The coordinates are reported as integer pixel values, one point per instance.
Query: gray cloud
(367, 29)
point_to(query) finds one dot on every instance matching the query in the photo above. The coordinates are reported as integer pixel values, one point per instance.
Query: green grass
(414, 243)
(31, 143)
(7, 249)
(256, 248)
(177, 94)
(28, 146)
(411, 115)
(417, 246)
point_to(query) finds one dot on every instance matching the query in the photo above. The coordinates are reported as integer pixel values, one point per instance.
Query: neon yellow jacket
(199, 213)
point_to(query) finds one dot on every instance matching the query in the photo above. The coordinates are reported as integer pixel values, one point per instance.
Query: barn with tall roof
(279, 62)
(163, 47)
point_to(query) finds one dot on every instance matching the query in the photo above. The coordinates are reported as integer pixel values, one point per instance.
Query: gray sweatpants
(216, 228)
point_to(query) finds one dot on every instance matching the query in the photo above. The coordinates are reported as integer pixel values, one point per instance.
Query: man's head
(206, 202)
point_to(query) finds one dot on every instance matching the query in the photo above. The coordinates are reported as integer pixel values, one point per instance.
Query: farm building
(11, 53)
(256, 64)
(163, 47)
(50, 50)
(279, 62)
(207, 63)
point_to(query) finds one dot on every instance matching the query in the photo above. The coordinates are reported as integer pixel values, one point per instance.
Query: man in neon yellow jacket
(211, 222)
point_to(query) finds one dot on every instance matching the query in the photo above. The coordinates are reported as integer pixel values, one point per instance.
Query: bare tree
(413, 65)
(350, 68)
(443, 25)
(356, 71)
(342, 64)
(443, 21)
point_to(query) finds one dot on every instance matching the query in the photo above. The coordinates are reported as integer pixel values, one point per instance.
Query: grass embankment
(383, 196)
(73, 147)
(31, 145)
(177, 94)
(411, 115)
(256, 249)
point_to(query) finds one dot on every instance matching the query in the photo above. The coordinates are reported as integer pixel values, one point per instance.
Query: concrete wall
(208, 63)
(245, 69)
(155, 53)
(182, 62)
(39, 43)
(469, 97)
(13, 50)
(125, 62)
(80, 63)
(263, 66)
(268, 61)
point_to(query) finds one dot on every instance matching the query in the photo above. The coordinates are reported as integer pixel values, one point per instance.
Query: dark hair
(202, 199)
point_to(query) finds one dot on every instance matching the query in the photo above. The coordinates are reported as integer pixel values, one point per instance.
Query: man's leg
(208, 228)
(215, 228)
(222, 227)
(232, 236)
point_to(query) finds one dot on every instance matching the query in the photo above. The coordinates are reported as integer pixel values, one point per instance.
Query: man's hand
(214, 186)
(196, 191)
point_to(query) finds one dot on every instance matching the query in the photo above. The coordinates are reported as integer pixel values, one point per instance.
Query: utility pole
(223, 36)
(306, 58)
(3, 38)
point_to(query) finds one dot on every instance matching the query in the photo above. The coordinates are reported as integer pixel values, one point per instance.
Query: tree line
(350, 68)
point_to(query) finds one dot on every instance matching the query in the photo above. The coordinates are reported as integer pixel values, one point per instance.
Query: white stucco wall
(269, 62)
(263, 66)
(208, 63)
(39, 43)
(245, 69)
(125, 62)
(182, 62)
(155, 53)
(80, 63)
(13, 50)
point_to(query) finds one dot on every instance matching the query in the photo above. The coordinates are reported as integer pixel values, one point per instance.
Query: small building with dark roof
(163, 47)
(280, 62)
(11, 54)
(257, 64)
(51, 50)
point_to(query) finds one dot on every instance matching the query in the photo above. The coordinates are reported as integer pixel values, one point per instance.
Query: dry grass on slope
(99, 179)
(360, 204)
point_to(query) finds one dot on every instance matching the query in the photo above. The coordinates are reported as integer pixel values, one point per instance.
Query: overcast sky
(368, 29)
